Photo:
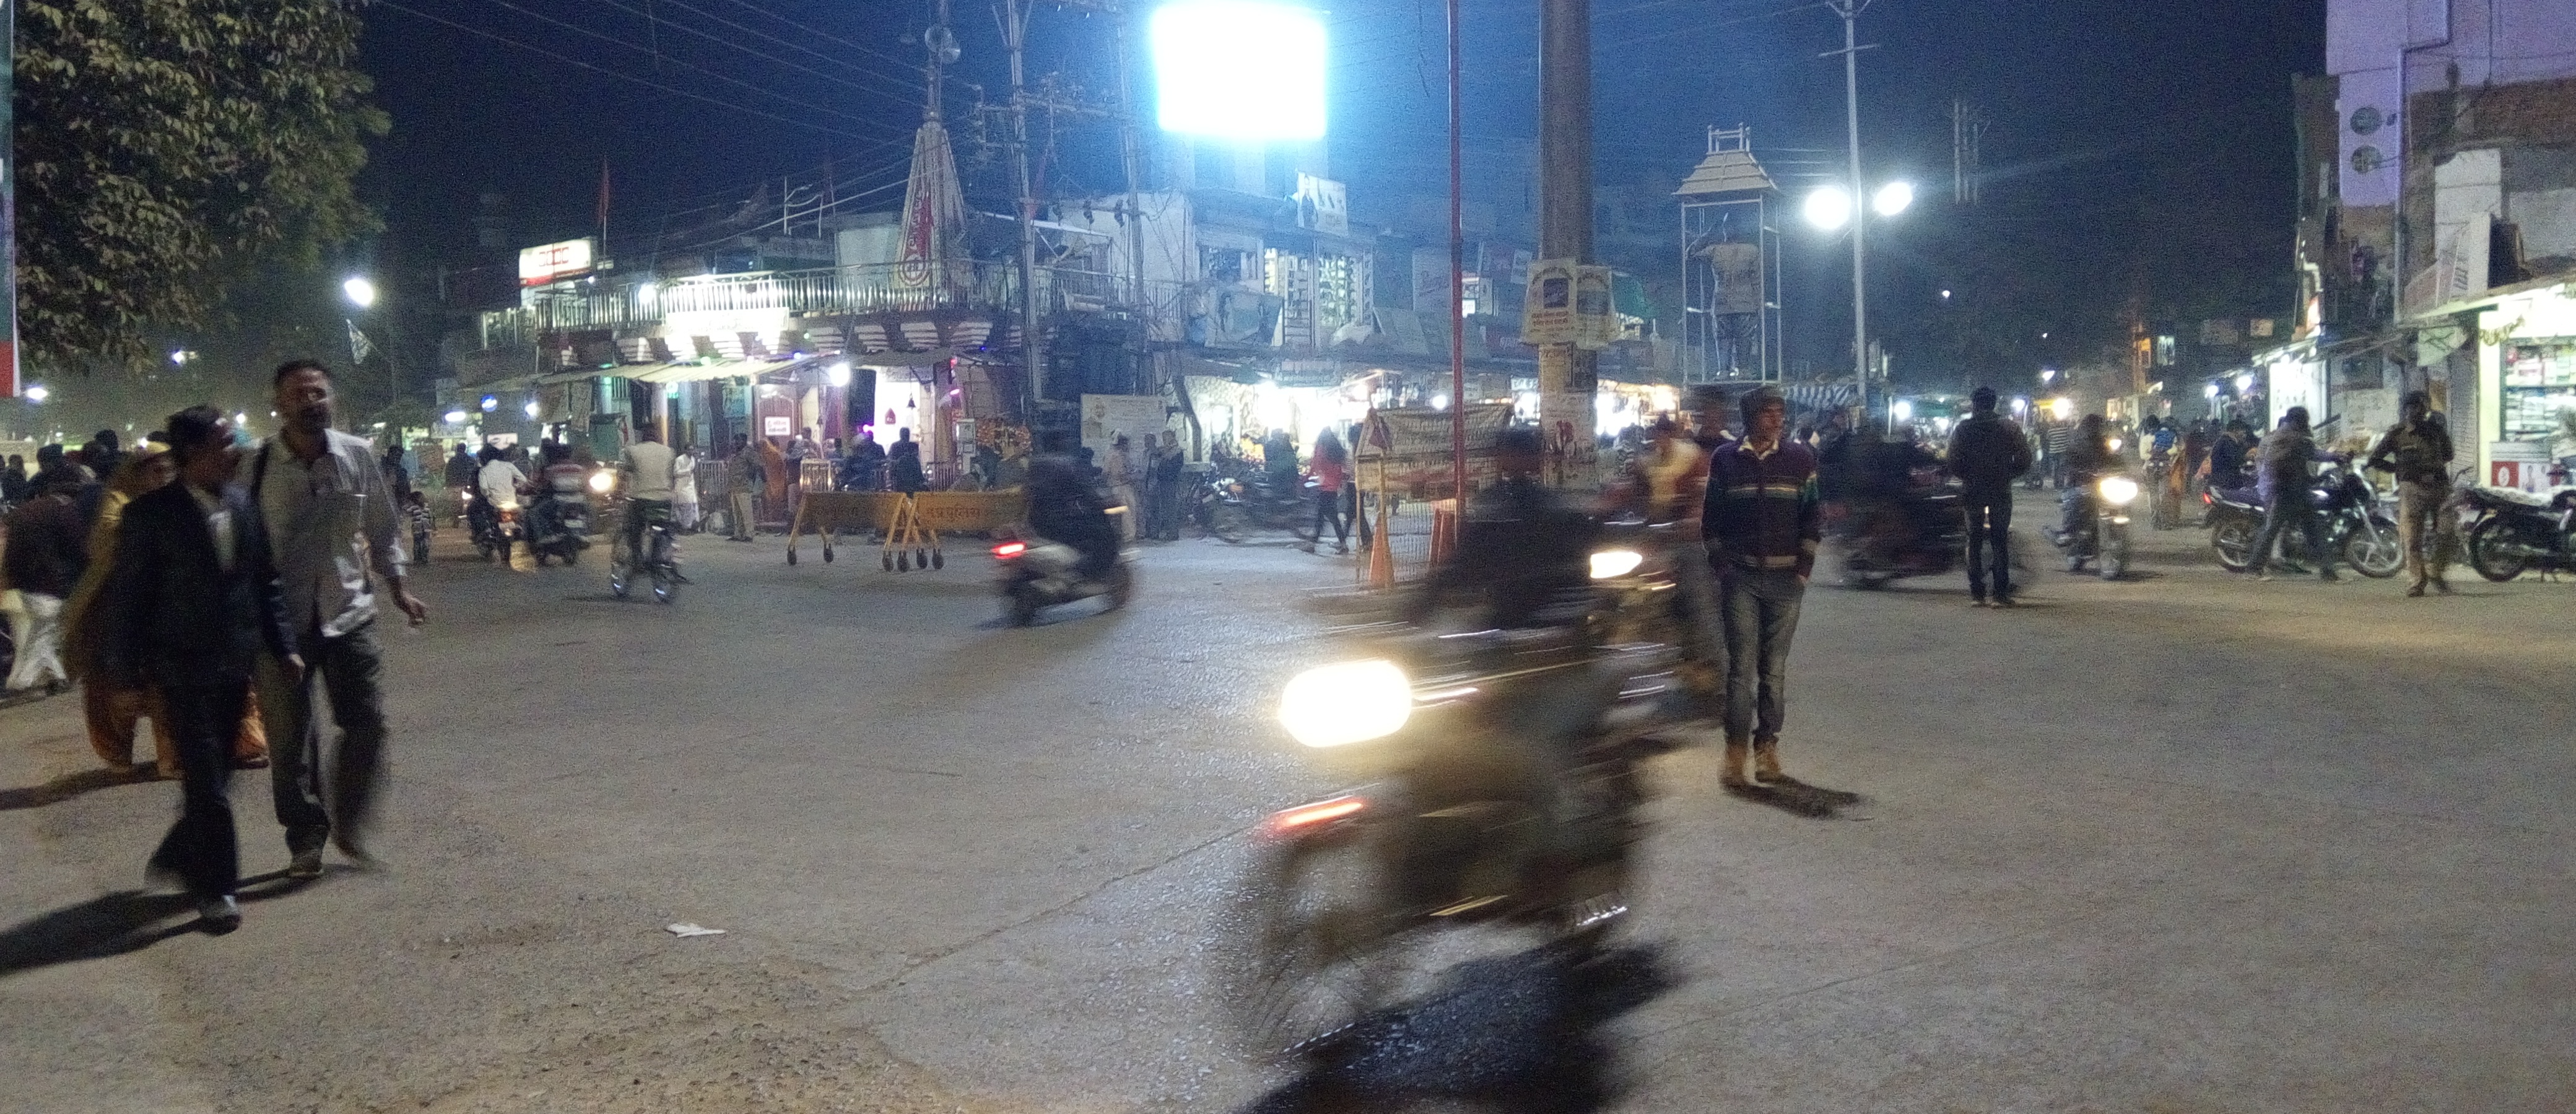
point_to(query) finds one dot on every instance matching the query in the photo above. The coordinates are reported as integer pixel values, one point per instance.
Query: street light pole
(1850, 11)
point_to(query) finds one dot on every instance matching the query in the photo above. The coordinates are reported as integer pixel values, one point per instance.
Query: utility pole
(1131, 159)
(1567, 375)
(1967, 126)
(1015, 33)
(1850, 11)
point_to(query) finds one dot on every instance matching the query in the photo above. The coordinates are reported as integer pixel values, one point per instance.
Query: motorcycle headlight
(602, 480)
(1612, 563)
(1347, 702)
(2118, 490)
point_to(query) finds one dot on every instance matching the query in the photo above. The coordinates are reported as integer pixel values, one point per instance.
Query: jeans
(1328, 508)
(1990, 529)
(2287, 509)
(40, 651)
(2424, 529)
(349, 668)
(1761, 617)
(203, 848)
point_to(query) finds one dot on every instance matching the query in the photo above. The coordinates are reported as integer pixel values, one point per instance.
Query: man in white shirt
(331, 520)
(649, 482)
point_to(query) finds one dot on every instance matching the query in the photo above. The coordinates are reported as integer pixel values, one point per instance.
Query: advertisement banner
(1414, 445)
(1547, 313)
(1323, 205)
(1104, 417)
(1596, 324)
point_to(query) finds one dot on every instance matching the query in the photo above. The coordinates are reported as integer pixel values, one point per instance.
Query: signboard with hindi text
(1413, 446)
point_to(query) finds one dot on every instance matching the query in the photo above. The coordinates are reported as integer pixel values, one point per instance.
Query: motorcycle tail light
(1008, 550)
(1291, 823)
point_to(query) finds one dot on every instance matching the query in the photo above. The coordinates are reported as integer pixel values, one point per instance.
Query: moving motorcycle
(1497, 806)
(661, 559)
(2345, 506)
(1035, 574)
(1917, 534)
(495, 529)
(2096, 525)
(2514, 532)
(559, 521)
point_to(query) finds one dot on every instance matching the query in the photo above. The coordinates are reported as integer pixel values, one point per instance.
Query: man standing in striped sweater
(1763, 521)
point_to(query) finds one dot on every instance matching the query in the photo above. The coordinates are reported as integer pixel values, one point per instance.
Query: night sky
(2137, 151)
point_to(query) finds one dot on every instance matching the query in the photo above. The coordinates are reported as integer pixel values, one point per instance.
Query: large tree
(170, 150)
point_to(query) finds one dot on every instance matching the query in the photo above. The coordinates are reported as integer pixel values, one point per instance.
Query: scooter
(1034, 574)
(2096, 526)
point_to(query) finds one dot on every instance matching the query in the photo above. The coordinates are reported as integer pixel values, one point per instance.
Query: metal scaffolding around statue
(1730, 265)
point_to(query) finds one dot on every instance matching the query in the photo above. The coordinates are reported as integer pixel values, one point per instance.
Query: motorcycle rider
(1064, 507)
(2418, 450)
(558, 481)
(499, 482)
(650, 485)
(2286, 454)
(2088, 457)
(1987, 452)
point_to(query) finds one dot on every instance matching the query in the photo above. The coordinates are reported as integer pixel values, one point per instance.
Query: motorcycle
(661, 558)
(1034, 574)
(2514, 532)
(1237, 507)
(495, 529)
(2164, 502)
(1498, 806)
(2096, 525)
(2353, 524)
(1936, 539)
(559, 523)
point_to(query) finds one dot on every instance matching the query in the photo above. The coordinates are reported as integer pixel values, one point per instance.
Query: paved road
(2183, 843)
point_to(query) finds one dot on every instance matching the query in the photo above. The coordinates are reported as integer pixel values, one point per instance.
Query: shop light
(838, 374)
(2245, 382)
(1204, 87)
(491, 403)
(39, 393)
(455, 417)
(2210, 391)
(530, 408)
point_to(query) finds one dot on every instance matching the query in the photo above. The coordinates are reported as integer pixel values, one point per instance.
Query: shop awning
(699, 371)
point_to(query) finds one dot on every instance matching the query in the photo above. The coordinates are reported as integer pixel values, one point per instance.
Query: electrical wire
(912, 86)
(755, 88)
(834, 40)
(618, 74)
(899, 89)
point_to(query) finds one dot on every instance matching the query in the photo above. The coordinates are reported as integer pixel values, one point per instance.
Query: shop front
(2519, 422)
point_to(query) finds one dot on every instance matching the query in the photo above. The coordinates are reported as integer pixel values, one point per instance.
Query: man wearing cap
(1763, 521)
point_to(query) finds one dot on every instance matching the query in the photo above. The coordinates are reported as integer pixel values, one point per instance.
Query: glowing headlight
(2115, 444)
(2118, 490)
(1611, 563)
(602, 480)
(1349, 702)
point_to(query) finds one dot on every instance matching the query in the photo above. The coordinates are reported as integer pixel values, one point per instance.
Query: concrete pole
(1567, 376)
(1850, 11)
(1015, 28)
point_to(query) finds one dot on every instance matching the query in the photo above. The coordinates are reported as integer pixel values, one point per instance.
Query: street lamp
(361, 292)
(1893, 198)
(1829, 208)
(39, 393)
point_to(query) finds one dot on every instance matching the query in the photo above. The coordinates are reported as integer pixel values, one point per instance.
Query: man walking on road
(192, 602)
(330, 519)
(2418, 450)
(2286, 454)
(1763, 521)
(1987, 453)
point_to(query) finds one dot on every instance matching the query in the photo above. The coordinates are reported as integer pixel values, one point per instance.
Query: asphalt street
(2180, 843)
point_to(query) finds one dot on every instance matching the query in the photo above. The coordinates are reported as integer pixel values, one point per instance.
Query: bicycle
(661, 555)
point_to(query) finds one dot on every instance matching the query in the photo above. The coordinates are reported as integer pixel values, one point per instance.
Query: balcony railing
(870, 289)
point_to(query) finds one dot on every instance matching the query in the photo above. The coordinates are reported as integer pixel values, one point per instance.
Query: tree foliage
(169, 150)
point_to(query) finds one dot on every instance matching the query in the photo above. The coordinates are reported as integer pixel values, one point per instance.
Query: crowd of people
(220, 588)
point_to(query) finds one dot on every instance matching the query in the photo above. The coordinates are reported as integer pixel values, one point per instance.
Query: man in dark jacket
(1763, 522)
(1988, 452)
(2286, 454)
(191, 602)
(2418, 450)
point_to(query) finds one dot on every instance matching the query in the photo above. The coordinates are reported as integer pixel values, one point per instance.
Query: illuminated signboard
(547, 263)
(1207, 82)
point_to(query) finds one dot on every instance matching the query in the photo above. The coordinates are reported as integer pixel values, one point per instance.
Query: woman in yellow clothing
(113, 712)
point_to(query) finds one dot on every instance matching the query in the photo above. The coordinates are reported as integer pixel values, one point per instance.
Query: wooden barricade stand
(911, 523)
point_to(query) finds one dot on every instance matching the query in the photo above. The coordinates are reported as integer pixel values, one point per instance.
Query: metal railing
(874, 288)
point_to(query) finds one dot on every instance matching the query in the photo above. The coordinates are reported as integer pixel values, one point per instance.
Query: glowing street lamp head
(361, 292)
(838, 374)
(1203, 86)
(1828, 208)
(1892, 198)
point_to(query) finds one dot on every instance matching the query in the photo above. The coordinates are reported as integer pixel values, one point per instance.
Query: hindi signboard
(1413, 446)
(1547, 313)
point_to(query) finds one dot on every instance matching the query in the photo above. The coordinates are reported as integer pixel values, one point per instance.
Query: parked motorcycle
(2095, 525)
(1237, 507)
(2345, 505)
(1497, 806)
(2514, 532)
(1035, 574)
